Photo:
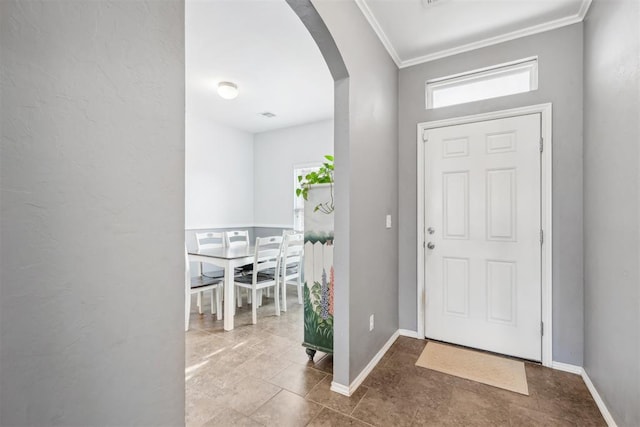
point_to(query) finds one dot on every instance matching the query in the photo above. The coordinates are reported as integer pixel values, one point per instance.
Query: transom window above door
(499, 80)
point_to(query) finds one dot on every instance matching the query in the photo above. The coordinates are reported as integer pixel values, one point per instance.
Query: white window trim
(481, 74)
(296, 167)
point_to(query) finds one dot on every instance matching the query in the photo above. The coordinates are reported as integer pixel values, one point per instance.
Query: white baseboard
(592, 389)
(573, 369)
(596, 396)
(348, 391)
(339, 388)
(408, 333)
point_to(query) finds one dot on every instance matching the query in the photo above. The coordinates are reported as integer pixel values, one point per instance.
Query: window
(298, 202)
(500, 80)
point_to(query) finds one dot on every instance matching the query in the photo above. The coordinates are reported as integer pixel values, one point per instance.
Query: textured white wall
(219, 175)
(612, 205)
(92, 213)
(275, 155)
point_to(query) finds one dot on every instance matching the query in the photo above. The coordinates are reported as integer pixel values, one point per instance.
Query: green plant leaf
(324, 175)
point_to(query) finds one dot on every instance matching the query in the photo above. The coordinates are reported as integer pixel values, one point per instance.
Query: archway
(323, 38)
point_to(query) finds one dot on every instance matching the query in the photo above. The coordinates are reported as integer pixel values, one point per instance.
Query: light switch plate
(388, 221)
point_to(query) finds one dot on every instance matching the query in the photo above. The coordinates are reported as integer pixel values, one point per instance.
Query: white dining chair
(290, 268)
(198, 285)
(238, 238)
(266, 260)
(210, 240)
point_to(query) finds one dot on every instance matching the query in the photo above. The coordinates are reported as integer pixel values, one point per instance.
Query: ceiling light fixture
(227, 90)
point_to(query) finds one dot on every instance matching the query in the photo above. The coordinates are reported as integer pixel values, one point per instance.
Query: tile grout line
(337, 412)
(268, 400)
(304, 396)
(334, 410)
(359, 401)
(317, 415)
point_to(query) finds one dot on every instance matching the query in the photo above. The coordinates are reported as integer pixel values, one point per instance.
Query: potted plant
(317, 190)
(324, 175)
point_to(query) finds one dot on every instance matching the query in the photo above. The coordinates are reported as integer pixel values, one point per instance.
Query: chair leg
(260, 298)
(249, 297)
(254, 306)
(219, 302)
(239, 297)
(213, 307)
(187, 310)
(277, 299)
(200, 302)
(284, 295)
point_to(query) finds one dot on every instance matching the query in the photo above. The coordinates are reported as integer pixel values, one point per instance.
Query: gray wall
(611, 198)
(560, 82)
(92, 213)
(372, 184)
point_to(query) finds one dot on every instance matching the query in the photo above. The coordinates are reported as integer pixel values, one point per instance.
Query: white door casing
(482, 203)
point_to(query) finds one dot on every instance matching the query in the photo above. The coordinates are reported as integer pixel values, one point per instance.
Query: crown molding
(373, 22)
(535, 29)
(584, 8)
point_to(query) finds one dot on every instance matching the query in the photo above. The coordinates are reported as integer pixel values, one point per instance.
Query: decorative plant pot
(318, 271)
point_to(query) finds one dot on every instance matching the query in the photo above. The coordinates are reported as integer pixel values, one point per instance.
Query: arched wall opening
(327, 45)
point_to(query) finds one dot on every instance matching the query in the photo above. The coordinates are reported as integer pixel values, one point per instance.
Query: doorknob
(430, 245)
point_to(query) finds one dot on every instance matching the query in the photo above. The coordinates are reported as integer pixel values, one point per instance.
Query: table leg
(229, 297)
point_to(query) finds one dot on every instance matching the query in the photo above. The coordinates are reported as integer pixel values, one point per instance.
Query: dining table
(227, 258)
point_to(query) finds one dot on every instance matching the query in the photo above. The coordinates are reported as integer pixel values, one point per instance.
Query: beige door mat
(476, 366)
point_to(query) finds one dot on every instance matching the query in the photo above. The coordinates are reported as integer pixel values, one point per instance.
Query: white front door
(482, 219)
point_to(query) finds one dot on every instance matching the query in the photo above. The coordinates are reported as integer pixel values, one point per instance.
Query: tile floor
(260, 376)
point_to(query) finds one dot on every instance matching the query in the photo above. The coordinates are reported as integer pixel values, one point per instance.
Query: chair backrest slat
(267, 252)
(209, 240)
(236, 238)
(292, 250)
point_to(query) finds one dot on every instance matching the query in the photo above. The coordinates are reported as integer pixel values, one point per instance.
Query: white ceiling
(264, 48)
(414, 33)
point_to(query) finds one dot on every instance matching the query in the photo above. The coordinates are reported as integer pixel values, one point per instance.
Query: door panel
(482, 198)
(501, 205)
(455, 200)
(456, 286)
